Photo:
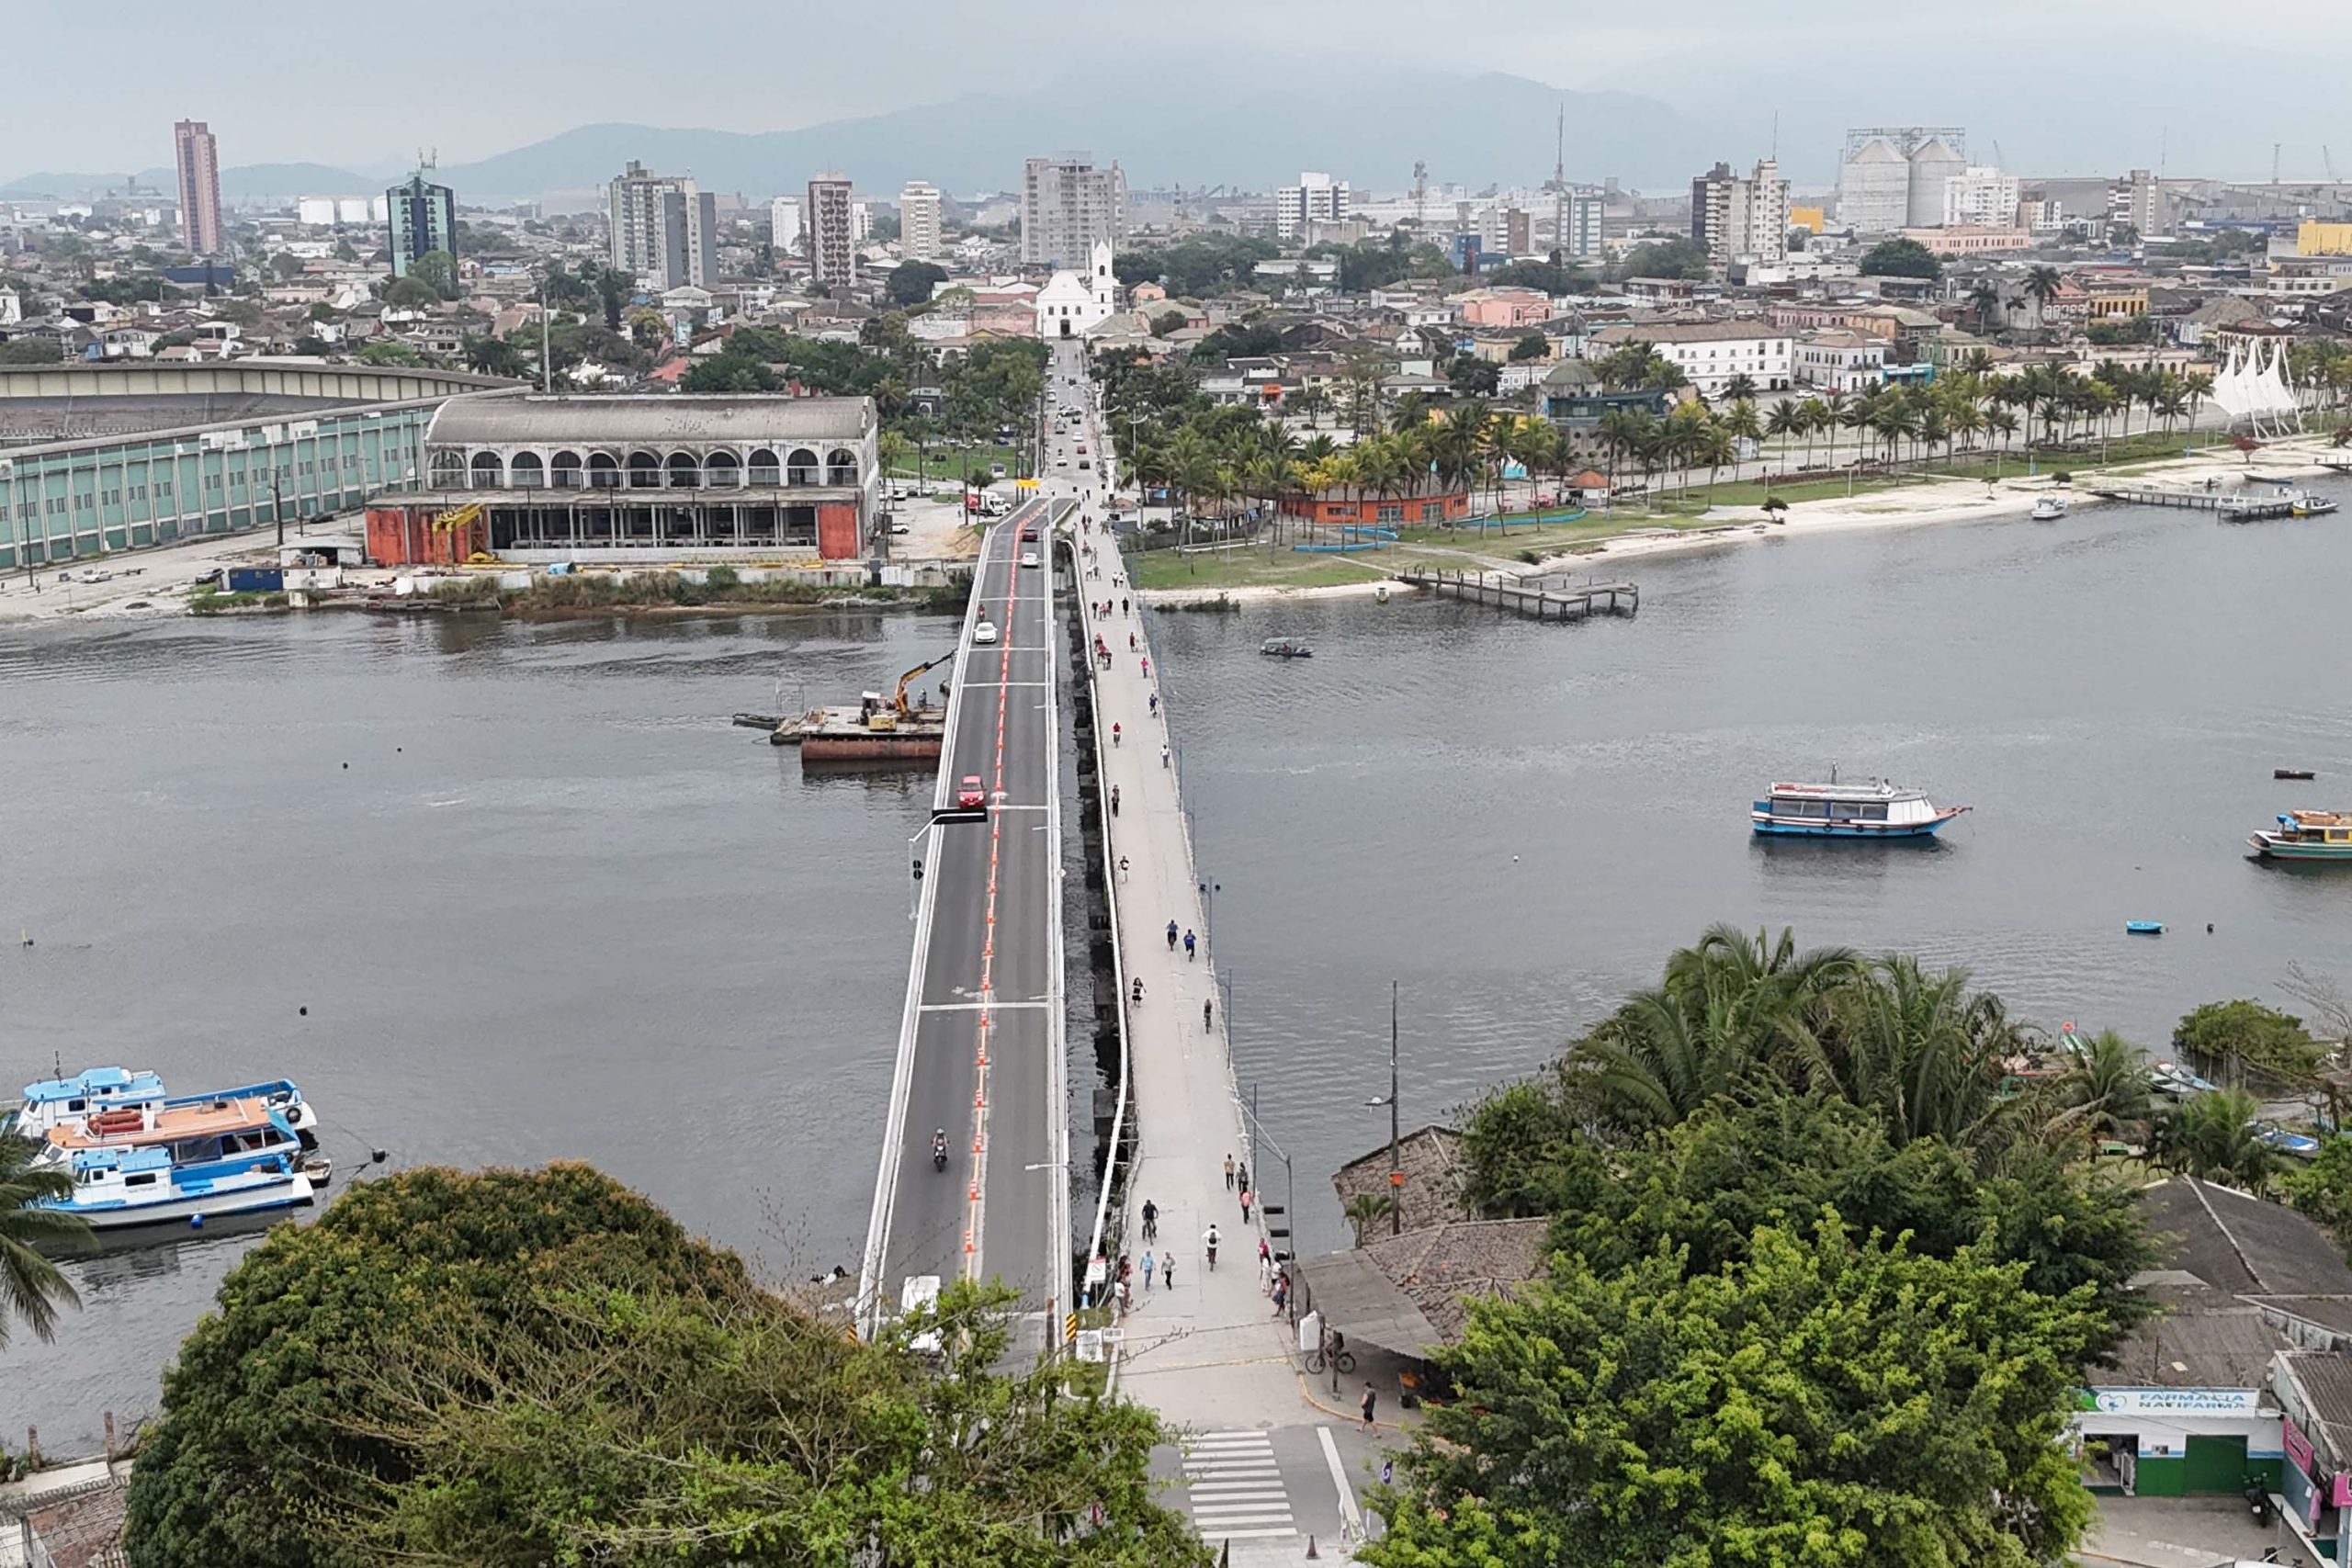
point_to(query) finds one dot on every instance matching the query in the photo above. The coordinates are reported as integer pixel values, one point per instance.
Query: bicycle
(1317, 1362)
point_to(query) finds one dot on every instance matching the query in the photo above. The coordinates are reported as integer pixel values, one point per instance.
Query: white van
(921, 1294)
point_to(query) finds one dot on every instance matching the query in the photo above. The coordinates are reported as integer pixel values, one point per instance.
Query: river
(555, 907)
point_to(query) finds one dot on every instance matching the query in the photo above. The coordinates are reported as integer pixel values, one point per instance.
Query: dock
(2234, 505)
(1539, 598)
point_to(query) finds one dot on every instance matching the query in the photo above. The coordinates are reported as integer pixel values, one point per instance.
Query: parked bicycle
(1318, 1361)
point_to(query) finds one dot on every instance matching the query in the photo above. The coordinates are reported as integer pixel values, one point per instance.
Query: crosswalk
(1235, 1487)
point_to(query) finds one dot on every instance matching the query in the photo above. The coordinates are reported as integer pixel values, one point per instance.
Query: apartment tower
(832, 235)
(199, 164)
(1069, 207)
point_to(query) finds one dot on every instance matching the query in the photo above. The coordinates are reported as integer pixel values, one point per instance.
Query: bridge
(980, 1049)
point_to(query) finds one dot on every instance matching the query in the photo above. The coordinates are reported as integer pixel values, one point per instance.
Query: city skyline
(1722, 67)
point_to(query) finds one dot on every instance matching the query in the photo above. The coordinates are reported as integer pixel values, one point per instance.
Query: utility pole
(547, 360)
(1396, 1172)
(1560, 189)
(277, 506)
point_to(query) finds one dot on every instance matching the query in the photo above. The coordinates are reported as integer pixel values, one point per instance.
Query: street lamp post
(1396, 1171)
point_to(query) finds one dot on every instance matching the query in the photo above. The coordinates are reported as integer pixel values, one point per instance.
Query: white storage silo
(1933, 165)
(1873, 188)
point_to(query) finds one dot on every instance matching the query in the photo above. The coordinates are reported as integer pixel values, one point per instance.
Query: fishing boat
(2314, 506)
(2296, 1145)
(2144, 928)
(2292, 773)
(1285, 647)
(2306, 835)
(2049, 509)
(189, 1164)
(52, 1102)
(117, 1099)
(2171, 1078)
(1833, 810)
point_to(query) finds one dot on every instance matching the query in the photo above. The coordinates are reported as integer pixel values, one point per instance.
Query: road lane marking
(1347, 1512)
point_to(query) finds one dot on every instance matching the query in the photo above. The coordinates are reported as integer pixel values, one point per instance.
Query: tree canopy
(516, 1370)
(1830, 1401)
(437, 270)
(1195, 266)
(2246, 1039)
(1663, 258)
(1901, 259)
(911, 283)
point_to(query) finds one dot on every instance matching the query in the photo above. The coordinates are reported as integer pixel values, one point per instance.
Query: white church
(1072, 305)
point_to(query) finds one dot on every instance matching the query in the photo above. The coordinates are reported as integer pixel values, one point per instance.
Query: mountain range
(1224, 129)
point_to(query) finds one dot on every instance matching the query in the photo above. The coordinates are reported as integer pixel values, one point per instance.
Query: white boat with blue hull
(236, 1158)
(1873, 810)
(115, 1099)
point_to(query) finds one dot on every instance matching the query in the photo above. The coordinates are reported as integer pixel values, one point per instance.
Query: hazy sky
(2064, 83)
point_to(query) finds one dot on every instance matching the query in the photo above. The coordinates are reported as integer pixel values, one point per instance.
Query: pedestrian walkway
(1233, 1488)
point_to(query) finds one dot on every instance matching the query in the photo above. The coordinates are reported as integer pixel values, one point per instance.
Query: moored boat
(2144, 928)
(2306, 835)
(2171, 1078)
(2314, 506)
(2295, 1145)
(116, 1100)
(2049, 509)
(1873, 810)
(187, 1165)
(1285, 647)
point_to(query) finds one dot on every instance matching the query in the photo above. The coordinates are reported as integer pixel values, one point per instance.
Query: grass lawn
(1254, 566)
(946, 464)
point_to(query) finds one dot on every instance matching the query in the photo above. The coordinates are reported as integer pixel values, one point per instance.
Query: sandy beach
(1948, 501)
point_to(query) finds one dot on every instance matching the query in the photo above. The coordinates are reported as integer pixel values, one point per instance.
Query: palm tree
(1740, 388)
(1920, 1049)
(2212, 1135)
(1788, 418)
(32, 1288)
(1367, 1209)
(1983, 299)
(2106, 1090)
(2041, 286)
(1713, 444)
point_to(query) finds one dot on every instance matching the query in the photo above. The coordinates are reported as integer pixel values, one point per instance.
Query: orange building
(1337, 510)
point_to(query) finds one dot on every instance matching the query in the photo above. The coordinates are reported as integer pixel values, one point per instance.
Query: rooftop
(511, 418)
(1688, 332)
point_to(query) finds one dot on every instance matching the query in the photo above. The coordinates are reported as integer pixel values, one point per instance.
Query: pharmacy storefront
(2169, 1442)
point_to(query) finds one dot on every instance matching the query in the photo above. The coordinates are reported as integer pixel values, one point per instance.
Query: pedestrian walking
(1147, 667)
(1131, 642)
(1123, 868)
(1146, 1271)
(1371, 1404)
(1265, 1254)
(1167, 1272)
(1245, 1205)
(1241, 1175)
(1114, 800)
(1188, 945)
(1124, 609)
(1209, 1015)
(1282, 1293)
(1153, 698)
(1228, 1173)
(1150, 1220)
(1163, 751)
(1127, 1298)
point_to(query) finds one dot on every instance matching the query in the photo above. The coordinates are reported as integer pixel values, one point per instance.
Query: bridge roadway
(980, 1048)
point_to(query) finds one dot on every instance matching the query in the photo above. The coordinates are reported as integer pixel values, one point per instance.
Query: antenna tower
(1560, 187)
(1420, 196)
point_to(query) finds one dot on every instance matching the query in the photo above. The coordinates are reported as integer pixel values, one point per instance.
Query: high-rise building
(1735, 218)
(1981, 197)
(199, 164)
(783, 223)
(664, 229)
(861, 224)
(919, 222)
(1580, 213)
(1316, 198)
(1068, 206)
(832, 233)
(420, 217)
(2138, 200)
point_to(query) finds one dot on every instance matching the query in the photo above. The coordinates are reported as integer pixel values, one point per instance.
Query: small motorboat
(2273, 1136)
(2171, 1078)
(2049, 509)
(1285, 647)
(2144, 928)
(2292, 773)
(2314, 506)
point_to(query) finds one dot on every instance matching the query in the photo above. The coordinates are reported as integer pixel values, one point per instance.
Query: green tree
(2243, 1040)
(911, 283)
(410, 293)
(1663, 258)
(2323, 1189)
(1168, 321)
(729, 373)
(2106, 1088)
(2213, 1136)
(437, 270)
(390, 351)
(1901, 259)
(491, 357)
(286, 265)
(1831, 1402)
(31, 351)
(1365, 1210)
(32, 1288)
(1472, 376)
(1530, 345)
(521, 1368)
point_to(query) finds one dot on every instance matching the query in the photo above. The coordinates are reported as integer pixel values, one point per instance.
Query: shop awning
(1363, 1303)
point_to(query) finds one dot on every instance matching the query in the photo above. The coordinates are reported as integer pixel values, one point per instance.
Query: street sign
(1070, 1326)
(1089, 1345)
(1024, 484)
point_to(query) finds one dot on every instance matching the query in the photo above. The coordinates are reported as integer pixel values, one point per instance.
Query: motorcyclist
(1135, 994)
(1171, 936)
(1188, 944)
(939, 1149)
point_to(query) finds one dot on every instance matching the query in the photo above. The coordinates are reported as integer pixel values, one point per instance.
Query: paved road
(983, 1065)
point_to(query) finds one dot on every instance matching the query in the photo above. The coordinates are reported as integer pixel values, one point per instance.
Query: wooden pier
(2149, 495)
(1539, 598)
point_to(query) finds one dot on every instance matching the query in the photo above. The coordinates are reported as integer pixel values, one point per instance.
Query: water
(557, 907)
(1518, 821)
